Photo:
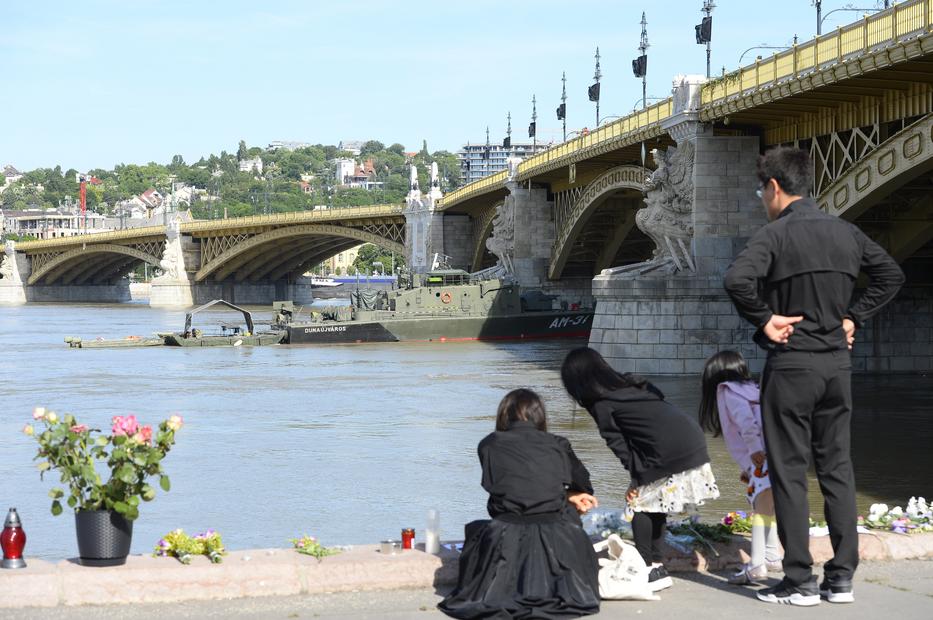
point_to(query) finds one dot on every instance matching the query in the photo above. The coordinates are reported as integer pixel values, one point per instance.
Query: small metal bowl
(390, 547)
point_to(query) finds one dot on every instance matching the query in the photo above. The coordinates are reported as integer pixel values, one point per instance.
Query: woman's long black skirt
(525, 569)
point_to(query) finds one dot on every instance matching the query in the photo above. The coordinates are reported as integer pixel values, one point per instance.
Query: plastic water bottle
(432, 532)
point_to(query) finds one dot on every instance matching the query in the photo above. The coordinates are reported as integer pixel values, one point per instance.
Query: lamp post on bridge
(820, 18)
(764, 47)
(704, 30)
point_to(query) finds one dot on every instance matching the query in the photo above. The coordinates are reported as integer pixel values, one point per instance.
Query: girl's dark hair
(723, 366)
(588, 377)
(521, 406)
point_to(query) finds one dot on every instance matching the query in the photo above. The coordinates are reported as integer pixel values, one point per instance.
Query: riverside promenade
(363, 583)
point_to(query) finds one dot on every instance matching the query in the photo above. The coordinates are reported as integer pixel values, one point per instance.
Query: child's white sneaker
(749, 575)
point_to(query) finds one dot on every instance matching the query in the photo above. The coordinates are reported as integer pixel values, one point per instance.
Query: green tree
(241, 150)
(398, 149)
(370, 253)
(370, 147)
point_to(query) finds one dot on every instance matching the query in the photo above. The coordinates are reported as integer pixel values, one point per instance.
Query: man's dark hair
(790, 167)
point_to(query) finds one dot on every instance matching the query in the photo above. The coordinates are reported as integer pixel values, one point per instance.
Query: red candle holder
(13, 540)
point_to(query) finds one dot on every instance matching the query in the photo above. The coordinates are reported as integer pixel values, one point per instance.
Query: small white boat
(319, 281)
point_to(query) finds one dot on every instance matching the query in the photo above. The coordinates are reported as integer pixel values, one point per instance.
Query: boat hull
(256, 340)
(526, 326)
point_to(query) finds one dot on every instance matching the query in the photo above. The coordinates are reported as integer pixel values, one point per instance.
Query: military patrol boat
(442, 305)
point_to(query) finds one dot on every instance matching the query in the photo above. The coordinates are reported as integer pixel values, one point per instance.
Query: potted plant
(104, 511)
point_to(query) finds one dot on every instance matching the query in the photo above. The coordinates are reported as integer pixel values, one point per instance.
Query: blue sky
(95, 83)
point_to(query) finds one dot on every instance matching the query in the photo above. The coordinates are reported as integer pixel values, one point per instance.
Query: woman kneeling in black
(533, 559)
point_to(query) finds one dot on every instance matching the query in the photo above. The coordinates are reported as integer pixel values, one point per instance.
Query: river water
(347, 443)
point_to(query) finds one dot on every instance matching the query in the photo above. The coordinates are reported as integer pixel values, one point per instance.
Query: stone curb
(283, 572)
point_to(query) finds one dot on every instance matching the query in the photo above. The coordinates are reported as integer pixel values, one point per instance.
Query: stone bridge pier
(669, 314)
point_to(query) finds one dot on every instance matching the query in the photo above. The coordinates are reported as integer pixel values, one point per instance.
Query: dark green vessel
(444, 306)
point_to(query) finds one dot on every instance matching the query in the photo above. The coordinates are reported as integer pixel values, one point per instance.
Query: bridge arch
(892, 169)
(902, 157)
(316, 241)
(72, 264)
(482, 229)
(572, 219)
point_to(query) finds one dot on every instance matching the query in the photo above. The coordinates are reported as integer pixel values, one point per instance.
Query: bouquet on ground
(916, 518)
(309, 545)
(737, 522)
(132, 453)
(179, 545)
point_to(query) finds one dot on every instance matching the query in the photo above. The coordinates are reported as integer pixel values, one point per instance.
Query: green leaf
(132, 513)
(101, 441)
(148, 493)
(56, 508)
(133, 501)
(126, 474)
(44, 465)
(165, 483)
(121, 507)
(56, 493)
(72, 501)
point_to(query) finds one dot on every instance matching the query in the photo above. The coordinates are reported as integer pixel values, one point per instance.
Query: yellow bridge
(859, 98)
(262, 247)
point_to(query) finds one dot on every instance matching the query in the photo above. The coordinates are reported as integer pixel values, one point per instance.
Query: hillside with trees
(280, 187)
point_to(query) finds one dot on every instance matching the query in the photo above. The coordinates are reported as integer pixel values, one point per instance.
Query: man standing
(795, 281)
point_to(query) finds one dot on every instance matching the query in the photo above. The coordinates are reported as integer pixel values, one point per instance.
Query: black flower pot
(104, 537)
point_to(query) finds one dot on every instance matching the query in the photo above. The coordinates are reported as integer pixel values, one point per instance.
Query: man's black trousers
(806, 408)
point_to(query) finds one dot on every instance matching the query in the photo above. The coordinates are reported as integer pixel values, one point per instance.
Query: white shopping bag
(624, 575)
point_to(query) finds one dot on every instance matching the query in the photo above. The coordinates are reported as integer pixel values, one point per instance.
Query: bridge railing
(883, 29)
(566, 151)
(293, 217)
(113, 235)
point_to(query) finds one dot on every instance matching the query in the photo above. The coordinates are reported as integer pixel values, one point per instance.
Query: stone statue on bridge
(502, 241)
(413, 178)
(173, 261)
(8, 271)
(667, 217)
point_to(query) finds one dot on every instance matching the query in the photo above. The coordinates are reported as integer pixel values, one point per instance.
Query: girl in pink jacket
(730, 407)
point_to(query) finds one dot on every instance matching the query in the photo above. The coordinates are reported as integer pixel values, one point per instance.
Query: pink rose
(125, 425)
(146, 433)
(78, 428)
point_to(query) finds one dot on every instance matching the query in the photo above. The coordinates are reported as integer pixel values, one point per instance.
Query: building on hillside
(480, 160)
(52, 223)
(123, 220)
(305, 187)
(251, 165)
(350, 174)
(10, 175)
(287, 145)
(343, 170)
(343, 260)
(351, 146)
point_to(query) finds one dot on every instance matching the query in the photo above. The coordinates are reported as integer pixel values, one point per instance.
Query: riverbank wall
(284, 572)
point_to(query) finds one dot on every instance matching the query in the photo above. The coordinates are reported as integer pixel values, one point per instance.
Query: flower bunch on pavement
(603, 523)
(179, 545)
(309, 545)
(737, 522)
(132, 452)
(918, 517)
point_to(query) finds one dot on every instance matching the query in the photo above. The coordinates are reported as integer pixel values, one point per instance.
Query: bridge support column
(458, 240)
(533, 233)
(662, 319)
(174, 289)
(14, 272)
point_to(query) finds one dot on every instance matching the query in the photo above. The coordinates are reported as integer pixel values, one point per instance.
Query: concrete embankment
(283, 572)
